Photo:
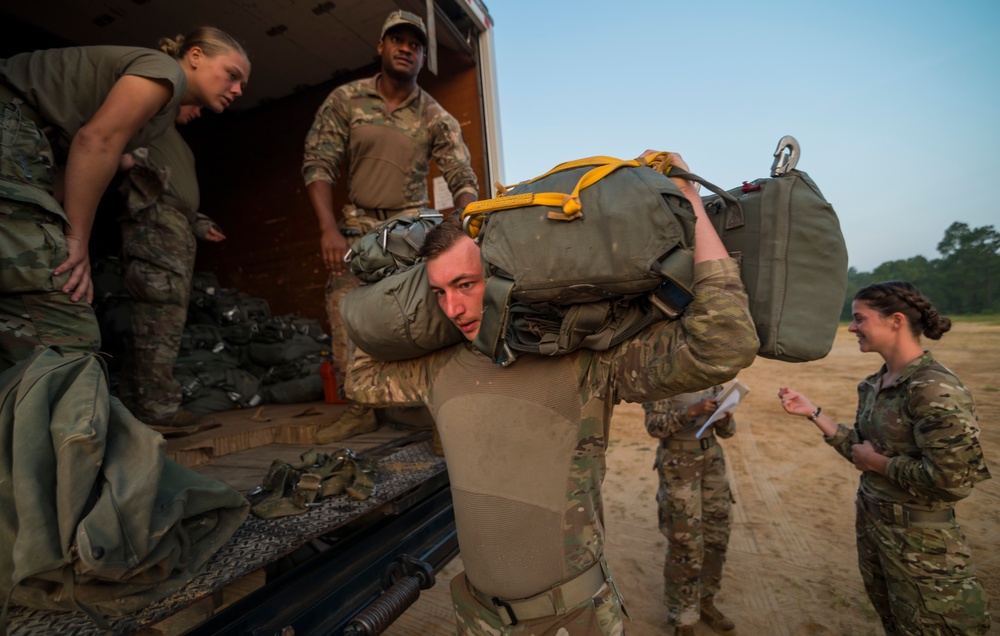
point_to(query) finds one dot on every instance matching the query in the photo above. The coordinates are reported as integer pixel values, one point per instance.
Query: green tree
(916, 269)
(970, 265)
(963, 281)
(855, 281)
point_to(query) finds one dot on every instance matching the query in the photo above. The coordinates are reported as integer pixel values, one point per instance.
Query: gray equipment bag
(293, 382)
(395, 316)
(587, 255)
(211, 381)
(792, 255)
(392, 246)
(398, 318)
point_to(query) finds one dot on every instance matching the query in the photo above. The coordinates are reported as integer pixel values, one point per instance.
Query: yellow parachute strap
(599, 160)
(659, 162)
(472, 215)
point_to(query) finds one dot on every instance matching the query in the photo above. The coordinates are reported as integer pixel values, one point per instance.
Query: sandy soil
(792, 565)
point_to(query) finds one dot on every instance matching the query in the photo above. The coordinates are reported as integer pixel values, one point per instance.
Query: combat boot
(715, 619)
(180, 418)
(357, 419)
(683, 630)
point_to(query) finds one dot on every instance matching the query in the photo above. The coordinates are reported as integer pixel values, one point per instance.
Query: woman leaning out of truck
(121, 98)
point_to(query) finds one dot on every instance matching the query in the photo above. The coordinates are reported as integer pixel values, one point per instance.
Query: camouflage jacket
(926, 422)
(390, 153)
(525, 444)
(668, 418)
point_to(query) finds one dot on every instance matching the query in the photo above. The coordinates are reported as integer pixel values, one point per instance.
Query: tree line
(962, 282)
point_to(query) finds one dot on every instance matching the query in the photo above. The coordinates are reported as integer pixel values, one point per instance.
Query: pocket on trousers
(29, 250)
(148, 283)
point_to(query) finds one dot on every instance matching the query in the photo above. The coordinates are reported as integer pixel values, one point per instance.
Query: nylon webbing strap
(570, 205)
(582, 327)
(496, 316)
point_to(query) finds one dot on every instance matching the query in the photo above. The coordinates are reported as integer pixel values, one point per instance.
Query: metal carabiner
(784, 162)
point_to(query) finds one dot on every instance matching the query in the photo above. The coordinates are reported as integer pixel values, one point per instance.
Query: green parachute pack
(595, 250)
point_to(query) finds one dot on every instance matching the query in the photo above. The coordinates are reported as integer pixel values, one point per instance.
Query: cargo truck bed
(312, 572)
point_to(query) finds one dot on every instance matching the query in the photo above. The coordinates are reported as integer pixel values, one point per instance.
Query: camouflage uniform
(526, 445)
(390, 156)
(33, 309)
(161, 196)
(34, 92)
(919, 574)
(694, 503)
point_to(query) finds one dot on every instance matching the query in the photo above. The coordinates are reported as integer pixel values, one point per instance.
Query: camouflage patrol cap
(405, 18)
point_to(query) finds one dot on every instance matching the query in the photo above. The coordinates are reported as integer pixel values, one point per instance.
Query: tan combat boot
(180, 418)
(715, 619)
(683, 630)
(357, 419)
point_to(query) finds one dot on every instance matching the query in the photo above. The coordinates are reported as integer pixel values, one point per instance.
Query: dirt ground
(792, 566)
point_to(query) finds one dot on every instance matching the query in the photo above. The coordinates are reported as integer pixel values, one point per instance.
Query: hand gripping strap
(568, 203)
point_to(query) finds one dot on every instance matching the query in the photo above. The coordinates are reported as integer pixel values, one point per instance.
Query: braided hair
(899, 296)
(212, 41)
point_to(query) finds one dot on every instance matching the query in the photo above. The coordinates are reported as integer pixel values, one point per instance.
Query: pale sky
(895, 103)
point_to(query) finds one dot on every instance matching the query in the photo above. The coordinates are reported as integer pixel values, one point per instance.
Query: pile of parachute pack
(233, 354)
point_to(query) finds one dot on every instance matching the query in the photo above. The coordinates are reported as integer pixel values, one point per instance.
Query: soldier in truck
(390, 129)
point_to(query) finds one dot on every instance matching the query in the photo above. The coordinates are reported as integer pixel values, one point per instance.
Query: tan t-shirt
(67, 86)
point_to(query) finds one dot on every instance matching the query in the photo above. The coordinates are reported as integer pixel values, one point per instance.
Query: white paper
(442, 195)
(728, 399)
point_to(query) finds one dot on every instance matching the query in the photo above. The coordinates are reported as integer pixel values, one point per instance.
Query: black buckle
(670, 299)
(706, 443)
(510, 610)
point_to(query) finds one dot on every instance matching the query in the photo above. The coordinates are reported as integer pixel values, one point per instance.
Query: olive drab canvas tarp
(93, 516)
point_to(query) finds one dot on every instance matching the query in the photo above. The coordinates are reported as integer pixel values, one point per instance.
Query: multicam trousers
(159, 249)
(920, 578)
(33, 309)
(694, 503)
(338, 286)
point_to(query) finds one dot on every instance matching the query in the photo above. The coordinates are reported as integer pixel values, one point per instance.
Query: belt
(381, 214)
(553, 602)
(689, 444)
(900, 515)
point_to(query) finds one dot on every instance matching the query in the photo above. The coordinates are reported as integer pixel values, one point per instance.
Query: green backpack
(395, 316)
(392, 246)
(604, 294)
(792, 255)
(212, 381)
(586, 255)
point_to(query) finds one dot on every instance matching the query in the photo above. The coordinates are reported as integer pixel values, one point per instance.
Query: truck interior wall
(249, 169)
